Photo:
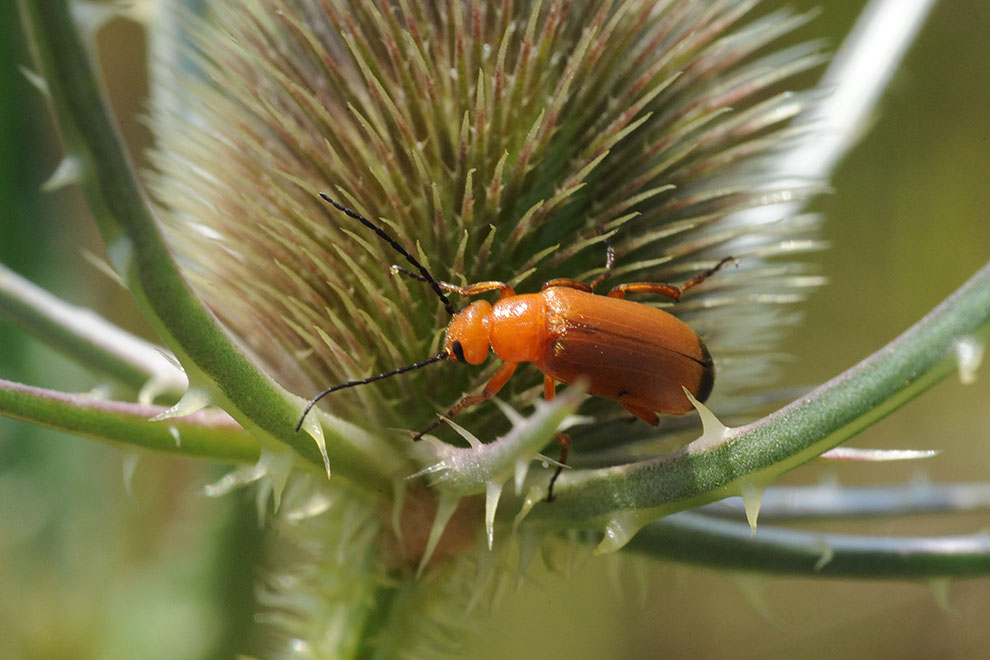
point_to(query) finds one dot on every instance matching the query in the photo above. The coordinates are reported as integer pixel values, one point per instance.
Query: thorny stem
(759, 452)
(88, 338)
(205, 434)
(697, 539)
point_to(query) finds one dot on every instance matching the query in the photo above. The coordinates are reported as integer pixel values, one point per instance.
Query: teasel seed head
(491, 139)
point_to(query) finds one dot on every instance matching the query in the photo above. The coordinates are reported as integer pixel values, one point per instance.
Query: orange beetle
(637, 355)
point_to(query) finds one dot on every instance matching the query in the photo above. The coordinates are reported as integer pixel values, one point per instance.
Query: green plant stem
(697, 539)
(204, 434)
(86, 337)
(756, 454)
(138, 250)
(846, 502)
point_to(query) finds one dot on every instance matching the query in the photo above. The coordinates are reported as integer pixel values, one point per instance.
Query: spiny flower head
(497, 141)
(511, 142)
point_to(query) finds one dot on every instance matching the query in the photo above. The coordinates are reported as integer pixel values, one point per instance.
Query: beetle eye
(458, 351)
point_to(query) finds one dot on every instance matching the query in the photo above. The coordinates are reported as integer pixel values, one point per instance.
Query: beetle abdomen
(638, 355)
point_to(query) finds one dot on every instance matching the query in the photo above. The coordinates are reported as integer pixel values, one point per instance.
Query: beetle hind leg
(644, 414)
(564, 441)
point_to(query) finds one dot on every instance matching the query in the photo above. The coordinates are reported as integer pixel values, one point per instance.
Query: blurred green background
(90, 571)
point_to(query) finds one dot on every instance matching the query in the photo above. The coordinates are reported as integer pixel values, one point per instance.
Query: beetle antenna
(397, 247)
(354, 383)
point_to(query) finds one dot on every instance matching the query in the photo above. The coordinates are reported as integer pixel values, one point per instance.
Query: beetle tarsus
(565, 443)
(698, 279)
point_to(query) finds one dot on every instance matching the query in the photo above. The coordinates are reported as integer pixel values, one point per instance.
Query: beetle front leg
(504, 290)
(496, 383)
(468, 290)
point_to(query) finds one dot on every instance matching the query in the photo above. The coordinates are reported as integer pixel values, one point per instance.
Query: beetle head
(467, 337)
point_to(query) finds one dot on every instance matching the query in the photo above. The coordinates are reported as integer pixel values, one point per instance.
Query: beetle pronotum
(637, 355)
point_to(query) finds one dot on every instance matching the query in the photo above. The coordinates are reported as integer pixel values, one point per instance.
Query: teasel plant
(511, 141)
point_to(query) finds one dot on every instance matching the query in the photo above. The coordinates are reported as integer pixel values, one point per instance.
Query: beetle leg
(565, 442)
(581, 286)
(698, 279)
(549, 388)
(666, 290)
(609, 257)
(568, 283)
(496, 383)
(504, 290)
(469, 290)
(644, 414)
